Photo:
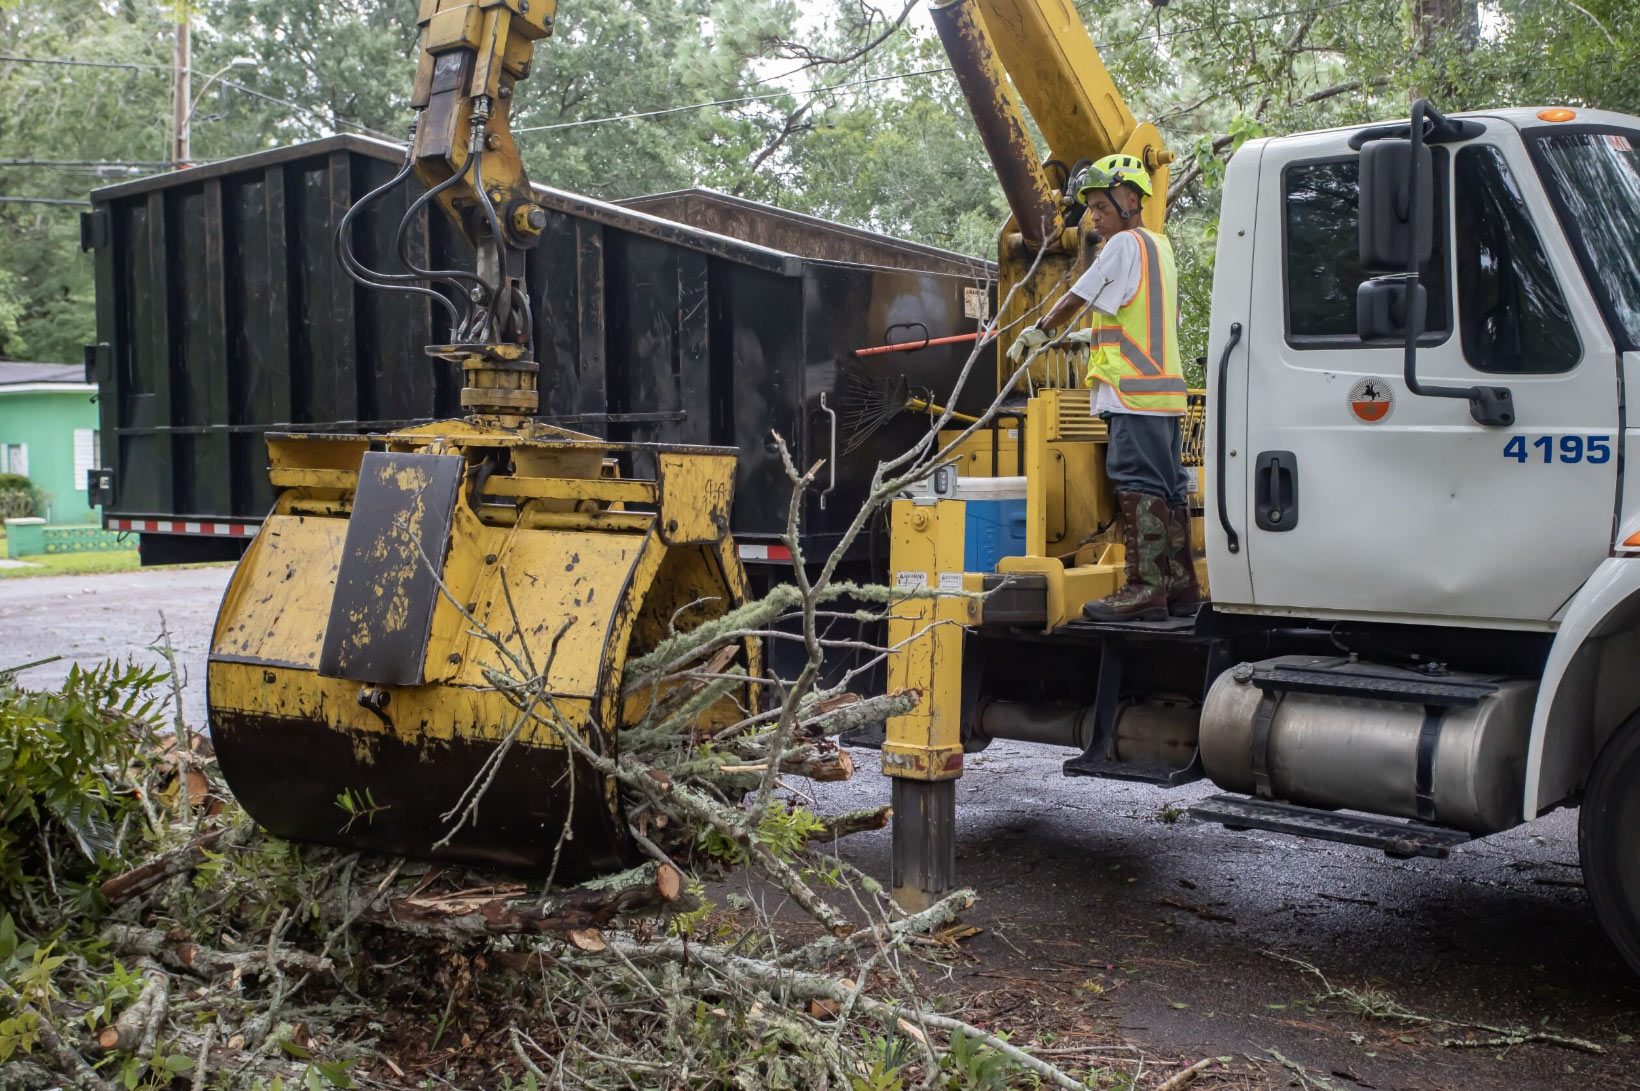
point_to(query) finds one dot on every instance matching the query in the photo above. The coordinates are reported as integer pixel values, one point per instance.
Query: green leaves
(972, 1066)
(26, 968)
(66, 759)
(18, 1034)
(784, 830)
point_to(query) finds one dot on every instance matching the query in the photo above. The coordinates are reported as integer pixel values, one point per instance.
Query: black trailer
(688, 317)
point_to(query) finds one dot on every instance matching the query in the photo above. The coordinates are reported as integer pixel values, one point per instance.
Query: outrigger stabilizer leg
(923, 751)
(925, 841)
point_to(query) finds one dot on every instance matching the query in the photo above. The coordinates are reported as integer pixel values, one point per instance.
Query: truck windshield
(1594, 178)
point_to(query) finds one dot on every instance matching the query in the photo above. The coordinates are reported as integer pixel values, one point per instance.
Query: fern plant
(70, 769)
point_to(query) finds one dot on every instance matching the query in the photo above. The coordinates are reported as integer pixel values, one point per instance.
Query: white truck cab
(1347, 497)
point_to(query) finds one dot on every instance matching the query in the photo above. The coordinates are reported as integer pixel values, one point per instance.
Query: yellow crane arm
(1070, 93)
(472, 52)
(1038, 53)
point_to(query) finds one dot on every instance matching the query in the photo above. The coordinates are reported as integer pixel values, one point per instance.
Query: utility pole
(182, 97)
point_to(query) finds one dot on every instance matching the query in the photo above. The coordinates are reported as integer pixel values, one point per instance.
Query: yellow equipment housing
(354, 695)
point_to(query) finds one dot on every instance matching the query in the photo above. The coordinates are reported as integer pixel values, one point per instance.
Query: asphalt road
(1099, 900)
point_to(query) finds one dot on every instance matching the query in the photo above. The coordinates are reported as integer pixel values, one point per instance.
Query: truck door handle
(1275, 490)
(1232, 540)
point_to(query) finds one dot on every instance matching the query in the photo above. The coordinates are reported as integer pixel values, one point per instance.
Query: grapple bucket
(353, 668)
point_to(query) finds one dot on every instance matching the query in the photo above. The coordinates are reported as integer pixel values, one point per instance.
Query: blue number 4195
(1596, 449)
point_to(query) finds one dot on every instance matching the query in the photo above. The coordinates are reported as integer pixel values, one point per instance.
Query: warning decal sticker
(1371, 400)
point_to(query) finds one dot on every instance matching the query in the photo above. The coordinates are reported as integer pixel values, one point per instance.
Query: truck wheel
(1607, 841)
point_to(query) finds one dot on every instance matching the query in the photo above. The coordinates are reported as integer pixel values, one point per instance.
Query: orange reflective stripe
(1132, 353)
(1156, 335)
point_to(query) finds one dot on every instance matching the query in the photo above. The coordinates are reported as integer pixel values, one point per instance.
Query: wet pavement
(1177, 935)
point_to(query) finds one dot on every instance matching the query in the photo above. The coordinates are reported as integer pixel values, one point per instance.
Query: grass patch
(75, 564)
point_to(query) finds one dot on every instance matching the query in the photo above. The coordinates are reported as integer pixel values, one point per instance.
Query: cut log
(856, 714)
(806, 762)
(123, 1034)
(580, 909)
(841, 825)
(819, 765)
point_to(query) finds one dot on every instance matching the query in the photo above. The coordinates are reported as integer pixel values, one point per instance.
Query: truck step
(1371, 682)
(1167, 627)
(1398, 839)
(1110, 769)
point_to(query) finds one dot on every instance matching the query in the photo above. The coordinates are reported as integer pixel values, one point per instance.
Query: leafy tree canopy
(889, 146)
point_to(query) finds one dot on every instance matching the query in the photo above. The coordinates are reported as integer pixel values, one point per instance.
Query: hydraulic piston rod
(1035, 203)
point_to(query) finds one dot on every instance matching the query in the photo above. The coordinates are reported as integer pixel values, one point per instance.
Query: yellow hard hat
(1111, 171)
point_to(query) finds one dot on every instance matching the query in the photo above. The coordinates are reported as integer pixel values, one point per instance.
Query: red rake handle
(912, 346)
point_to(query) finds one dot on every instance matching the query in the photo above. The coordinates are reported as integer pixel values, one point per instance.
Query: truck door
(1364, 500)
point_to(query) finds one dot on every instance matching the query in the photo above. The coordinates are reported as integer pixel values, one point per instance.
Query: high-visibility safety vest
(1136, 352)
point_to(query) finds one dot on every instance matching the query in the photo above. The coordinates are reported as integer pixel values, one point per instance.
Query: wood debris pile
(153, 937)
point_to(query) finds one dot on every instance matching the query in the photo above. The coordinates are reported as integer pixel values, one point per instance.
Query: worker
(1138, 388)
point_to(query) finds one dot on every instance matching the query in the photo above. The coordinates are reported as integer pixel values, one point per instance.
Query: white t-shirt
(1109, 284)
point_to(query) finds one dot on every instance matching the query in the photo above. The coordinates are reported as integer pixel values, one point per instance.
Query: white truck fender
(1578, 703)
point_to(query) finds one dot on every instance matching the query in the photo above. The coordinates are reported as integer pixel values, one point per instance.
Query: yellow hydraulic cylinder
(926, 635)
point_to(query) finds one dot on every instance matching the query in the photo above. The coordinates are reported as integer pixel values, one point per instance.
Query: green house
(48, 433)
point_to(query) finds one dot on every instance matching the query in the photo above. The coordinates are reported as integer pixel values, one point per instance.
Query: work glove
(1033, 338)
(1082, 339)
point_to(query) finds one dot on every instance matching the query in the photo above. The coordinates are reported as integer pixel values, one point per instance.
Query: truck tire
(1608, 839)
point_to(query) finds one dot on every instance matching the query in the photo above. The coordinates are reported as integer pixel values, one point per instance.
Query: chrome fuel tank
(1344, 751)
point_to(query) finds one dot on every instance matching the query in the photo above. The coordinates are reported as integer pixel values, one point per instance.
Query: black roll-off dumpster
(687, 317)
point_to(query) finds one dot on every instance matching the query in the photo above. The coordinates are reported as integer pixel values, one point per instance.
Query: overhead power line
(815, 92)
(89, 164)
(43, 201)
(70, 62)
(235, 84)
(327, 116)
(1159, 36)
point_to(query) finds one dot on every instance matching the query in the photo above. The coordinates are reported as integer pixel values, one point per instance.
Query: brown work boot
(1184, 593)
(1145, 542)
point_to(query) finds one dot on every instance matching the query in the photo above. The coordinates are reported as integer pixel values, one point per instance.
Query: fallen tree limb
(123, 1034)
(841, 825)
(465, 915)
(1184, 1076)
(206, 962)
(935, 917)
(159, 1006)
(150, 874)
(1503, 1037)
(809, 762)
(803, 762)
(68, 1059)
(841, 718)
(25, 1075)
(801, 986)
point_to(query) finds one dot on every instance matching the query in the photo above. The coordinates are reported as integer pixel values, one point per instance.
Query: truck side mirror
(1387, 220)
(1382, 312)
(1397, 205)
